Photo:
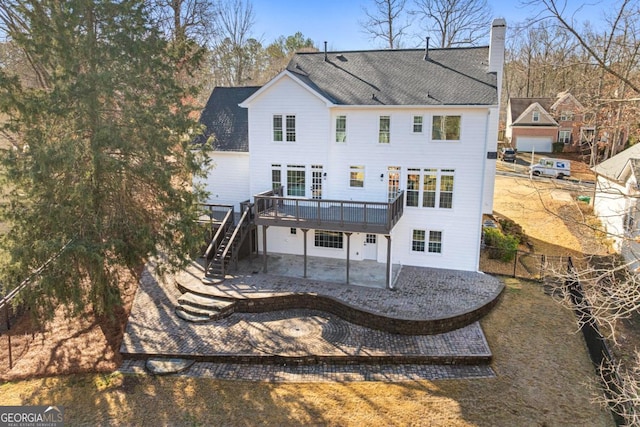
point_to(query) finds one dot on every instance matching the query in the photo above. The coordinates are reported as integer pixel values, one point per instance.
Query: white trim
(530, 108)
(286, 73)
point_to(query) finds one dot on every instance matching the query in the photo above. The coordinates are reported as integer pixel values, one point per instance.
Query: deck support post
(388, 279)
(348, 253)
(304, 231)
(264, 248)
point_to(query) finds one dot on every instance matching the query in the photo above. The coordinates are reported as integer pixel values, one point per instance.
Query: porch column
(264, 248)
(348, 253)
(304, 231)
(389, 262)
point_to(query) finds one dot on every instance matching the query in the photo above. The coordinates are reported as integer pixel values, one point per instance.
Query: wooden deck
(331, 215)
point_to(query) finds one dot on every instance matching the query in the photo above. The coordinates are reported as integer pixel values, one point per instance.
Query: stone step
(184, 315)
(168, 366)
(204, 302)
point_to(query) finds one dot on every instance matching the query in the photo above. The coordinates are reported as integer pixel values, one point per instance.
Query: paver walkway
(265, 342)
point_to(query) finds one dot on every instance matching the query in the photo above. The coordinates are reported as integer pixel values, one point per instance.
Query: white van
(558, 168)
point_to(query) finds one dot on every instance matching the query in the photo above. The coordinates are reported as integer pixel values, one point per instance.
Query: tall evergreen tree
(101, 163)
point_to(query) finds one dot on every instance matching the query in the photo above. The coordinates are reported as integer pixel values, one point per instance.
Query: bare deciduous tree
(235, 49)
(455, 22)
(387, 21)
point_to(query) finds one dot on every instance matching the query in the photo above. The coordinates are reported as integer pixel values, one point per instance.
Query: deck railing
(333, 215)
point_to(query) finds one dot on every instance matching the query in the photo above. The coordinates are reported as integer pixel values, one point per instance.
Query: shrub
(558, 147)
(512, 228)
(500, 246)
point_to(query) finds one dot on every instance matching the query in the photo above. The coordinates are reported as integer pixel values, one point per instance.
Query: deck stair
(226, 248)
(200, 308)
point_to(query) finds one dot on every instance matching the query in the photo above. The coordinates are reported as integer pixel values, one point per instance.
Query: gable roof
(225, 120)
(457, 76)
(612, 168)
(517, 106)
(526, 118)
(565, 97)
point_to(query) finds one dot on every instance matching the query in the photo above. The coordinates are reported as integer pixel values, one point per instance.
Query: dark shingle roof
(225, 120)
(400, 77)
(518, 105)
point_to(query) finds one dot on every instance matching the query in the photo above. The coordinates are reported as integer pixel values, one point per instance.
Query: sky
(337, 21)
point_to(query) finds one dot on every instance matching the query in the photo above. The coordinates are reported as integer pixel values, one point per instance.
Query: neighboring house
(616, 200)
(534, 124)
(386, 155)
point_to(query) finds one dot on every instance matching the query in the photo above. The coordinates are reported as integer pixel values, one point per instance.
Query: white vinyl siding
(316, 135)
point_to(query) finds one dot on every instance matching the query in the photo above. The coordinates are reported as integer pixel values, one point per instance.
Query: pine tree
(102, 163)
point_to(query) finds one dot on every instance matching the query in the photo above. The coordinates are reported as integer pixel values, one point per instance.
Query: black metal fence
(599, 351)
(523, 265)
(11, 310)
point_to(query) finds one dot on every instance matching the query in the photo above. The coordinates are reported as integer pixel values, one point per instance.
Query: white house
(616, 201)
(386, 155)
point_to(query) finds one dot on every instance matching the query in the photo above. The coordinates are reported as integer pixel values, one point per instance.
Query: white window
(420, 244)
(341, 129)
(289, 131)
(435, 242)
(277, 127)
(291, 128)
(564, 136)
(276, 176)
(445, 128)
(446, 188)
(296, 180)
(384, 130)
(417, 242)
(328, 239)
(536, 116)
(430, 188)
(417, 124)
(356, 177)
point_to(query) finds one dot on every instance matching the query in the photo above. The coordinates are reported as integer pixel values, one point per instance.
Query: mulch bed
(87, 343)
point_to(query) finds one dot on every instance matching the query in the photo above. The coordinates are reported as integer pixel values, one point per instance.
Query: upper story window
(536, 116)
(384, 130)
(341, 129)
(445, 128)
(566, 116)
(289, 130)
(430, 188)
(356, 177)
(417, 124)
